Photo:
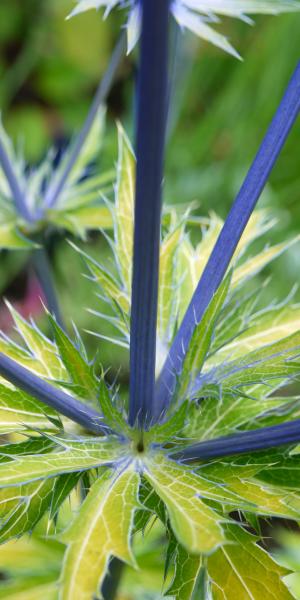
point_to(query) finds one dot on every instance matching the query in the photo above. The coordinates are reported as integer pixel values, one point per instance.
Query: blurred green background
(220, 108)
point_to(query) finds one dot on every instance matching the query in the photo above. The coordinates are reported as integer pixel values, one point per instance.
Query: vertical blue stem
(151, 127)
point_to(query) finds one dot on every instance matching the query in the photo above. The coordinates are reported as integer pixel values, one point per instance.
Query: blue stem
(17, 194)
(44, 274)
(246, 441)
(41, 390)
(53, 192)
(229, 237)
(151, 126)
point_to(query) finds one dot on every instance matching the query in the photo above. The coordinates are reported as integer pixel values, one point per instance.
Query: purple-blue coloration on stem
(246, 441)
(229, 237)
(41, 390)
(151, 125)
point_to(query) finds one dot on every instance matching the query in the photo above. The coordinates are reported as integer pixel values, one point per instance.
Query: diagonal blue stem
(151, 126)
(17, 194)
(229, 237)
(45, 392)
(246, 441)
(53, 191)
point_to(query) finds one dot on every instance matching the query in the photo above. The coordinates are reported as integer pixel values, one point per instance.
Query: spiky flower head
(195, 15)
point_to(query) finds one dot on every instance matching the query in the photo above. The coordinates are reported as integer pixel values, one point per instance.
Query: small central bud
(140, 447)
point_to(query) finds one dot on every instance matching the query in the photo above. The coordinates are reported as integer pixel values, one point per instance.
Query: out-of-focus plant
(289, 556)
(208, 440)
(64, 195)
(196, 15)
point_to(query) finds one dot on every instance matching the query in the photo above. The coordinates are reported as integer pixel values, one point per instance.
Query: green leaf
(274, 361)
(241, 569)
(63, 485)
(267, 327)
(109, 285)
(170, 429)
(268, 480)
(267, 500)
(22, 507)
(153, 506)
(187, 583)
(201, 339)
(12, 239)
(27, 555)
(33, 445)
(43, 353)
(285, 473)
(226, 413)
(187, 275)
(191, 262)
(19, 412)
(124, 208)
(112, 417)
(81, 373)
(77, 456)
(196, 526)
(167, 296)
(79, 220)
(101, 529)
(254, 265)
(30, 588)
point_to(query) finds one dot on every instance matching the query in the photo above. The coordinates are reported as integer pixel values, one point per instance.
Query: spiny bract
(232, 379)
(194, 15)
(76, 206)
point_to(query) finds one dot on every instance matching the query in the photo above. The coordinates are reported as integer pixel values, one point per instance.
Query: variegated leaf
(43, 356)
(167, 296)
(189, 577)
(81, 373)
(254, 265)
(19, 412)
(226, 413)
(242, 569)
(79, 221)
(199, 344)
(171, 429)
(196, 526)
(266, 327)
(112, 417)
(277, 361)
(124, 208)
(76, 456)
(22, 507)
(12, 239)
(101, 529)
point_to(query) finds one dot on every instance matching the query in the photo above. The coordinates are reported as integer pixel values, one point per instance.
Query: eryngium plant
(208, 447)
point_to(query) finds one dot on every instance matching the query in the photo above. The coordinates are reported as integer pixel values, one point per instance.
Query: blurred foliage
(288, 555)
